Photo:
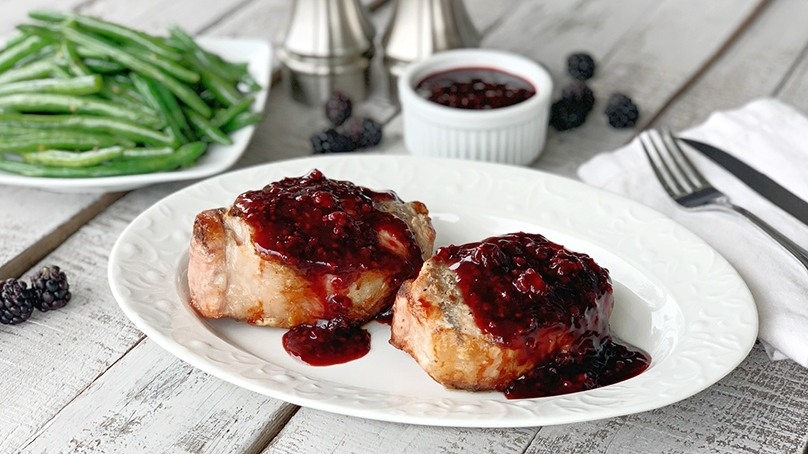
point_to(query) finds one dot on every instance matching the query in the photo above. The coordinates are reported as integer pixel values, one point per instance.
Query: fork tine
(682, 162)
(661, 169)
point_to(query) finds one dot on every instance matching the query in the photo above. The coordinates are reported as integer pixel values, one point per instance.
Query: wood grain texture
(180, 409)
(768, 60)
(313, 431)
(93, 383)
(50, 359)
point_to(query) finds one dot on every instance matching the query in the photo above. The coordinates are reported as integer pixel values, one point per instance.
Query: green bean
(14, 40)
(171, 68)
(241, 120)
(33, 70)
(83, 85)
(222, 116)
(74, 62)
(91, 123)
(183, 92)
(182, 157)
(55, 103)
(81, 97)
(59, 72)
(127, 101)
(47, 34)
(142, 152)
(227, 94)
(233, 72)
(103, 66)
(121, 89)
(73, 158)
(117, 32)
(128, 98)
(166, 105)
(206, 129)
(64, 140)
(11, 55)
(187, 43)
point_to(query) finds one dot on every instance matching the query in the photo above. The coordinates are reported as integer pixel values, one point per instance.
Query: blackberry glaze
(475, 88)
(517, 285)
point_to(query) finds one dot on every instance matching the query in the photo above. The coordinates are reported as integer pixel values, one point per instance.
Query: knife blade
(760, 183)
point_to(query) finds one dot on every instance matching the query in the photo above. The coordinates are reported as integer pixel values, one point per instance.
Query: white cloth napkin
(773, 138)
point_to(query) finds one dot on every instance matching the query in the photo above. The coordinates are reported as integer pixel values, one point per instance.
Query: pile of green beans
(83, 97)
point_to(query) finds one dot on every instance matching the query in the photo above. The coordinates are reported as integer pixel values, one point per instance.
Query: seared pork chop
(481, 315)
(306, 249)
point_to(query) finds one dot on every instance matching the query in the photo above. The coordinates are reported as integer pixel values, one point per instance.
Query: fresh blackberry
(581, 66)
(621, 111)
(579, 93)
(338, 108)
(16, 302)
(51, 287)
(566, 115)
(331, 141)
(569, 112)
(363, 132)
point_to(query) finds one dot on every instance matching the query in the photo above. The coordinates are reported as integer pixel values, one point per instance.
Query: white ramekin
(512, 135)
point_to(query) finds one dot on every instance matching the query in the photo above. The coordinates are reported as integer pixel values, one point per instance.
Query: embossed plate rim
(719, 317)
(218, 158)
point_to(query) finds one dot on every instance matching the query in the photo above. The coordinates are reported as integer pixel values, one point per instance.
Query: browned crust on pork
(433, 325)
(206, 280)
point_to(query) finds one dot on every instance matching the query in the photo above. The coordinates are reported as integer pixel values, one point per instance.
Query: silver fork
(685, 185)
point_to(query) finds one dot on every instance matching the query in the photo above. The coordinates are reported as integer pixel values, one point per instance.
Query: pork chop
(481, 315)
(306, 249)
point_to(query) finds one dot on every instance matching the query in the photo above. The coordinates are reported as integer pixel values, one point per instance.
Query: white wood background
(84, 379)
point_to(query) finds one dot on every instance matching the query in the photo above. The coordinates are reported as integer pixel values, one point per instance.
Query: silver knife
(757, 181)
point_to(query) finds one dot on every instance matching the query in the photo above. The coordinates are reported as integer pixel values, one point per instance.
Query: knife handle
(798, 252)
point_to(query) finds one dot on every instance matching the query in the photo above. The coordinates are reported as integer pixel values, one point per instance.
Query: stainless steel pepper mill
(328, 46)
(419, 28)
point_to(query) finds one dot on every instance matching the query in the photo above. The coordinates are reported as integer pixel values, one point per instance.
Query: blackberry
(363, 132)
(331, 141)
(621, 111)
(569, 112)
(566, 115)
(16, 302)
(51, 287)
(581, 66)
(338, 108)
(579, 93)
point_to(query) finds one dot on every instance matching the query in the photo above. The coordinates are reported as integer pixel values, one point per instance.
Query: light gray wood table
(85, 379)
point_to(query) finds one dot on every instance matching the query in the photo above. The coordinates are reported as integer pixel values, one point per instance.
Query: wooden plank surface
(101, 386)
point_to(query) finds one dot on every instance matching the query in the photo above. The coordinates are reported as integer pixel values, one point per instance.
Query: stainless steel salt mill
(419, 28)
(328, 46)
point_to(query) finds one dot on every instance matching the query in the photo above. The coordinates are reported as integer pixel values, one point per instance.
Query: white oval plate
(217, 158)
(676, 297)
